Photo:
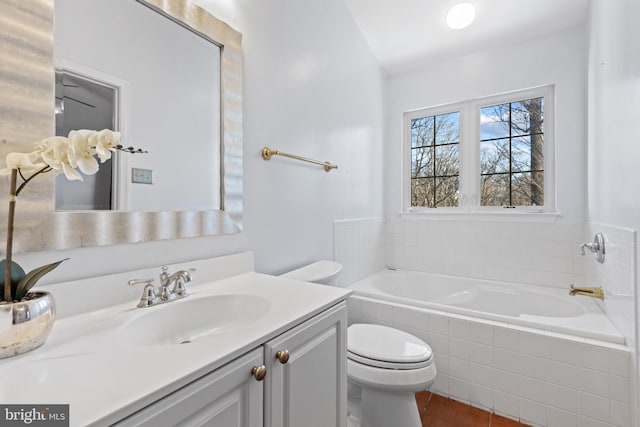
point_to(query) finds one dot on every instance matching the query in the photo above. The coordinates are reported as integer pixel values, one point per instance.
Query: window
(482, 154)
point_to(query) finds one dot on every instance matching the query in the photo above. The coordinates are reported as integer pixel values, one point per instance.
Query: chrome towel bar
(268, 152)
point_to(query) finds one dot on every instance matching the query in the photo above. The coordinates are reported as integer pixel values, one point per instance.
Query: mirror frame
(27, 104)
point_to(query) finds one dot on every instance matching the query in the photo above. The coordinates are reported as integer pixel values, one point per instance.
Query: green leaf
(17, 273)
(28, 281)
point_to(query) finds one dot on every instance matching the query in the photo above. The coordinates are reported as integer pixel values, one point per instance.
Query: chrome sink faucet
(150, 297)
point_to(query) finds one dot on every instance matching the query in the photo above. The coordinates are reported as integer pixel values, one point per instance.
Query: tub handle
(596, 247)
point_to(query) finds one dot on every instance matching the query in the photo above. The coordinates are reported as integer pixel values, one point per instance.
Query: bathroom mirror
(165, 99)
(28, 47)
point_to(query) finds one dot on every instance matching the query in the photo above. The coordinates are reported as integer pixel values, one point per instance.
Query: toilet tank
(323, 272)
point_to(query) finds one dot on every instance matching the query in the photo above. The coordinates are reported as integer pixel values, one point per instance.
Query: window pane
(521, 154)
(527, 116)
(435, 160)
(494, 122)
(494, 190)
(494, 156)
(446, 191)
(422, 162)
(447, 128)
(422, 192)
(447, 160)
(521, 189)
(422, 132)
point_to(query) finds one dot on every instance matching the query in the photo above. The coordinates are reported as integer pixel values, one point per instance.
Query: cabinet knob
(259, 372)
(283, 356)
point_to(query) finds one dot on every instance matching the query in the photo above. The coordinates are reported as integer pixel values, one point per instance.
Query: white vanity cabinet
(305, 389)
(227, 397)
(306, 382)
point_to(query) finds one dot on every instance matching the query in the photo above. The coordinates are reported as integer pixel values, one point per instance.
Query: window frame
(469, 140)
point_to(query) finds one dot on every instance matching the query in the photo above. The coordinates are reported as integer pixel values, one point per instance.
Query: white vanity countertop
(87, 363)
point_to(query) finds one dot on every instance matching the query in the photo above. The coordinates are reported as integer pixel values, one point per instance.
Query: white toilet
(385, 366)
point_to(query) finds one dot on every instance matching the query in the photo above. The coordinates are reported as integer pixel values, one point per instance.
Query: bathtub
(537, 307)
(530, 353)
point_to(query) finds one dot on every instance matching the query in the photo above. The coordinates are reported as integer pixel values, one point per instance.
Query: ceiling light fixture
(461, 15)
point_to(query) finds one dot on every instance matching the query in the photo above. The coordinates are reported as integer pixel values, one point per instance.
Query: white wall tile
(439, 324)
(594, 382)
(458, 368)
(459, 348)
(459, 328)
(481, 333)
(459, 390)
(506, 360)
(506, 382)
(532, 412)
(481, 354)
(439, 343)
(562, 374)
(507, 404)
(562, 397)
(534, 367)
(590, 422)
(560, 418)
(620, 389)
(507, 339)
(481, 397)
(620, 414)
(533, 389)
(534, 344)
(593, 406)
(481, 375)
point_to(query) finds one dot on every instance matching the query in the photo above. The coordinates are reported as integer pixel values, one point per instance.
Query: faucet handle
(138, 281)
(149, 296)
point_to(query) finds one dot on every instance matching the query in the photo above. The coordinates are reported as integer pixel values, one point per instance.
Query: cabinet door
(310, 389)
(228, 397)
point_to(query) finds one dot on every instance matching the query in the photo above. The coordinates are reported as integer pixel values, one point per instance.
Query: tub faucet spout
(590, 292)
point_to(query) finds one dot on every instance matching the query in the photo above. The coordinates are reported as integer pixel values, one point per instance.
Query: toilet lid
(385, 344)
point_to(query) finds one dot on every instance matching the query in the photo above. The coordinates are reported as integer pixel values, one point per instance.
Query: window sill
(518, 216)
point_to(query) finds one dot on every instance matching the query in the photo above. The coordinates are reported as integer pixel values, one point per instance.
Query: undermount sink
(185, 321)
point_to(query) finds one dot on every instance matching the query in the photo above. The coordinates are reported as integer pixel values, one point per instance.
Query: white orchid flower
(26, 162)
(56, 151)
(81, 153)
(107, 141)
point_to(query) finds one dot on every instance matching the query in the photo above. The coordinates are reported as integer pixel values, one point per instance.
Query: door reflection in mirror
(83, 103)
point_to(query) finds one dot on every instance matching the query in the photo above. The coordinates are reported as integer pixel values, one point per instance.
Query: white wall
(311, 87)
(557, 59)
(614, 112)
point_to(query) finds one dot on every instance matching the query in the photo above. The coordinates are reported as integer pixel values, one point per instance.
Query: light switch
(141, 176)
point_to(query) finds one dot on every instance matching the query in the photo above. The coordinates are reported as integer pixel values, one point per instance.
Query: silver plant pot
(25, 325)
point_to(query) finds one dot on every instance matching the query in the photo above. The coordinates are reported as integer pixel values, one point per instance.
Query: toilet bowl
(385, 366)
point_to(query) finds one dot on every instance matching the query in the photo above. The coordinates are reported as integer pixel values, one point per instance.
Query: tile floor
(438, 411)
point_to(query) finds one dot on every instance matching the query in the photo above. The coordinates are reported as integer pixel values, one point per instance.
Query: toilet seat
(384, 347)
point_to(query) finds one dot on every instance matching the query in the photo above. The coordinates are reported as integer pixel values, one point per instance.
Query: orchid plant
(81, 151)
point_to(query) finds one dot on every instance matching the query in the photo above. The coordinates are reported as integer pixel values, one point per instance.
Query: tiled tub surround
(538, 377)
(359, 247)
(536, 253)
